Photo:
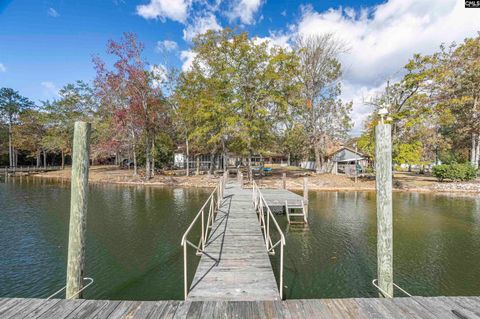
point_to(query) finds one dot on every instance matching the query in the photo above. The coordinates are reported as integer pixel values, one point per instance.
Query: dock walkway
(235, 264)
(362, 308)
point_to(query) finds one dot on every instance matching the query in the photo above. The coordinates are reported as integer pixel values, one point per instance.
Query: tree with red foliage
(130, 93)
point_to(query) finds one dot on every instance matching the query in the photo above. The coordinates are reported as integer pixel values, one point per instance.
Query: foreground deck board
(236, 265)
(416, 307)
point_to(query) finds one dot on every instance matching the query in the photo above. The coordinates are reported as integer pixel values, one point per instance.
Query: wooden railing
(264, 217)
(210, 209)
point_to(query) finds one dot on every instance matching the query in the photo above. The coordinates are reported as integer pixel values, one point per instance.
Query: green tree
(76, 103)
(11, 104)
(29, 133)
(236, 92)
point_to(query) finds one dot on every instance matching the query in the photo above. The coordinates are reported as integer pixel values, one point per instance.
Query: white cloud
(176, 10)
(50, 90)
(52, 12)
(278, 39)
(166, 45)
(244, 10)
(382, 39)
(2, 68)
(187, 58)
(201, 25)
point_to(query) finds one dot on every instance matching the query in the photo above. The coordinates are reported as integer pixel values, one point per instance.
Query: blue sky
(45, 44)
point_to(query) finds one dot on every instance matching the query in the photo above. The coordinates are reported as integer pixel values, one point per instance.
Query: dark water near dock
(133, 242)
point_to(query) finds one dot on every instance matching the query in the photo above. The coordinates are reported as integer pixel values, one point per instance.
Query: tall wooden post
(78, 209)
(284, 180)
(383, 185)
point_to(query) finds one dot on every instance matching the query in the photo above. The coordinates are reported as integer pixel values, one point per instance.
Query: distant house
(345, 159)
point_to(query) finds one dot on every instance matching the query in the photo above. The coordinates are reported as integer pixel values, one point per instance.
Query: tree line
(242, 95)
(434, 109)
(247, 96)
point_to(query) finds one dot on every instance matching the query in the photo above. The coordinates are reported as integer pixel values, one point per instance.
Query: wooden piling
(78, 209)
(284, 180)
(383, 185)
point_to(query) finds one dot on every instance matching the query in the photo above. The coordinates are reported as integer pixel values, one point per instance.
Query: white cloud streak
(3, 69)
(53, 13)
(176, 10)
(201, 25)
(166, 45)
(244, 10)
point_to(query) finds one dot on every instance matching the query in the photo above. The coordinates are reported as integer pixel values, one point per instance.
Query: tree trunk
(249, 167)
(10, 148)
(153, 157)
(477, 153)
(187, 168)
(134, 162)
(197, 165)
(38, 158)
(212, 164)
(15, 159)
(318, 163)
(44, 159)
(63, 159)
(148, 166)
(473, 152)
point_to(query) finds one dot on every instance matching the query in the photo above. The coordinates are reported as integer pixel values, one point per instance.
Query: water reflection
(134, 232)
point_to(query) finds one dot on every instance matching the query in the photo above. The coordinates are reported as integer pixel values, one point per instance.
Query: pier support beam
(383, 185)
(78, 209)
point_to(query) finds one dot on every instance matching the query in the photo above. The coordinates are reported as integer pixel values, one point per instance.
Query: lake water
(133, 242)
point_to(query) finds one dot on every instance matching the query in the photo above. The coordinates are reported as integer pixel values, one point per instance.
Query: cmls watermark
(472, 3)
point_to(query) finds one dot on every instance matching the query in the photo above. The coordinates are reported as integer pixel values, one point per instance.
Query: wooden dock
(293, 204)
(362, 308)
(235, 264)
(277, 197)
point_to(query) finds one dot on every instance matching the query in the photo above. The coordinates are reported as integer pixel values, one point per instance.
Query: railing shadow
(214, 236)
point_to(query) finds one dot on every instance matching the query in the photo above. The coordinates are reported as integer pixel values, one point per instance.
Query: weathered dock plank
(416, 307)
(235, 265)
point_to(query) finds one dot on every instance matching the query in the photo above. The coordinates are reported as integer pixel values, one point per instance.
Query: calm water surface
(133, 242)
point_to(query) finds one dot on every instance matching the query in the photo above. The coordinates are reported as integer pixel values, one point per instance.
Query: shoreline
(293, 184)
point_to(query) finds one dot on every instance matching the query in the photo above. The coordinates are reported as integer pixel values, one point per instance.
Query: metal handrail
(375, 281)
(84, 287)
(213, 203)
(260, 205)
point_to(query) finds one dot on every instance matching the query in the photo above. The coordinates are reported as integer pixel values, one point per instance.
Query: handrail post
(281, 269)
(203, 229)
(185, 279)
(268, 227)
